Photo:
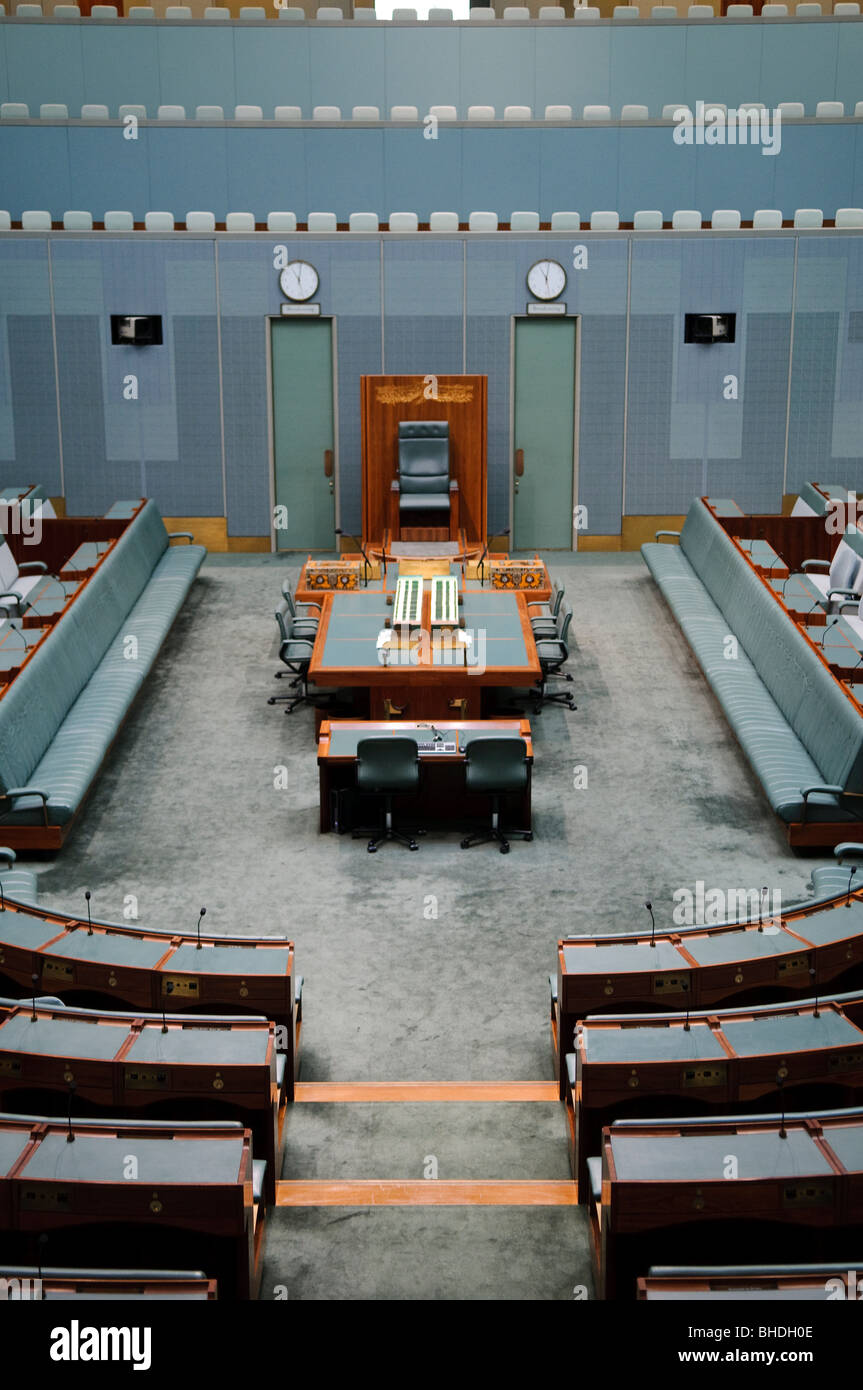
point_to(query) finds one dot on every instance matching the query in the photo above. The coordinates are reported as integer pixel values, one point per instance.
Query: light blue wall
(197, 437)
(344, 170)
(327, 64)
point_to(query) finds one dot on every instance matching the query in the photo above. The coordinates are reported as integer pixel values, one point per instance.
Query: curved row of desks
(53, 1058)
(789, 1187)
(810, 949)
(795, 1283)
(176, 1194)
(28, 1283)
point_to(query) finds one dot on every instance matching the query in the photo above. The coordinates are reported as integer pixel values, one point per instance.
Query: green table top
(623, 957)
(104, 1158)
(343, 741)
(228, 960)
(700, 1157)
(356, 619)
(207, 1046)
(652, 1044)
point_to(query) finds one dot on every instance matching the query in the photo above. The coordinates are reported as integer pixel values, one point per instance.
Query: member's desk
(753, 1283)
(433, 675)
(213, 1068)
(442, 797)
(727, 1061)
(28, 1282)
(176, 1194)
(719, 1190)
(702, 968)
(147, 970)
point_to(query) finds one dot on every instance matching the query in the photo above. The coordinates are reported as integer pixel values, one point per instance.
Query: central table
(430, 675)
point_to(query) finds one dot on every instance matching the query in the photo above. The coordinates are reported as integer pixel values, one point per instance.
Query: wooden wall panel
(386, 400)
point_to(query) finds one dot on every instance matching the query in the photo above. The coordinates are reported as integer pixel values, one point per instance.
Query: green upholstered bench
(61, 715)
(799, 730)
(18, 884)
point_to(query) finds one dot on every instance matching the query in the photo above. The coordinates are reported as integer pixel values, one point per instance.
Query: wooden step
(417, 1091)
(431, 1192)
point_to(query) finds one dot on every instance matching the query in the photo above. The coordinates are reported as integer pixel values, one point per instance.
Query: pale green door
(544, 439)
(303, 430)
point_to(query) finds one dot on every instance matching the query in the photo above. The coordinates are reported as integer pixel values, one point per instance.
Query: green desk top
(134, 951)
(832, 923)
(103, 1158)
(207, 1046)
(652, 1044)
(12, 1141)
(791, 1032)
(19, 929)
(625, 958)
(723, 947)
(228, 960)
(725, 506)
(343, 741)
(357, 618)
(62, 1037)
(846, 1141)
(700, 1157)
(811, 1293)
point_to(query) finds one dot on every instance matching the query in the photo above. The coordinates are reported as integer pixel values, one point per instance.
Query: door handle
(519, 463)
(328, 463)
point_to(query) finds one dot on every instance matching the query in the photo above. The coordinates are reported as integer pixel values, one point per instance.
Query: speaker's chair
(424, 494)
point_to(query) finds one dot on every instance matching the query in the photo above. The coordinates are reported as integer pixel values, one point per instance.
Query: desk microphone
(780, 1082)
(761, 908)
(89, 918)
(70, 1136)
(34, 979)
(41, 1242)
(2, 896)
(649, 905)
(481, 564)
(358, 543)
(686, 1020)
(202, 913)
(436, 734)
(814, 975)
(169, 989)
(848, 890)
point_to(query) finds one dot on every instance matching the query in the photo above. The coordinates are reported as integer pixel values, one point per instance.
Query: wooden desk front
(441, 774)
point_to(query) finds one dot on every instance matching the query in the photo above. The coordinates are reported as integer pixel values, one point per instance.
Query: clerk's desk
(666, 1192)
(176, 1194)
(430, 676)
(175, 1066)
(19, 1283)
(442, 796)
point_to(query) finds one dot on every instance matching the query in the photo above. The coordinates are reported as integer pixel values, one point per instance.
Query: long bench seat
(63, 712)
(802, 734)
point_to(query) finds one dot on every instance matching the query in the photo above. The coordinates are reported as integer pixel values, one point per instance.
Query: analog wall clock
(546, 280)
(299, 280)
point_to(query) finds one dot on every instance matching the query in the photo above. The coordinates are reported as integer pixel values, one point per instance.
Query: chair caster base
(504, 848)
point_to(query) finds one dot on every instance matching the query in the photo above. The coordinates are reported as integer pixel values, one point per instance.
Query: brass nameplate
(794, 965)
(845, 1061)
(46, 1199)
(670, 984)
(57, 970)
(807, 1195)
(184, 986)
(703, 1076)
(10, 1066)
(146, 1079)
(410, 394)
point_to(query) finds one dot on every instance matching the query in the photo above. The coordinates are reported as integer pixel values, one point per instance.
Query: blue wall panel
(281, 64)
(345, 171)
(187, 172)
(108, 172)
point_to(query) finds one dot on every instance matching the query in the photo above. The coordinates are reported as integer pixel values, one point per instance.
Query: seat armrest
(38, 565)
(15, 792)
(8, 856)
(657, 534)
(308, 605)
(453, 485)
(180, 536)
(816, 564)
(849, 849)
(828, 789)
(847, 593)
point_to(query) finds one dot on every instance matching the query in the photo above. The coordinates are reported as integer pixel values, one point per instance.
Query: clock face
(299, 280)
(546, 279)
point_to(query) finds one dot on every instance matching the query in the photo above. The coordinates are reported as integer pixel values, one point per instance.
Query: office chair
(553, 654)
(387, 765)
(302, 624)
(424, 485)
(496, 766)
(545, 623)
(296, 653)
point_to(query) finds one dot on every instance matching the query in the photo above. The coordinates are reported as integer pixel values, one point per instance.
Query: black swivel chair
(295, 650)
(545, 623)
(553, 654)
(388, 766)
(496, 766)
